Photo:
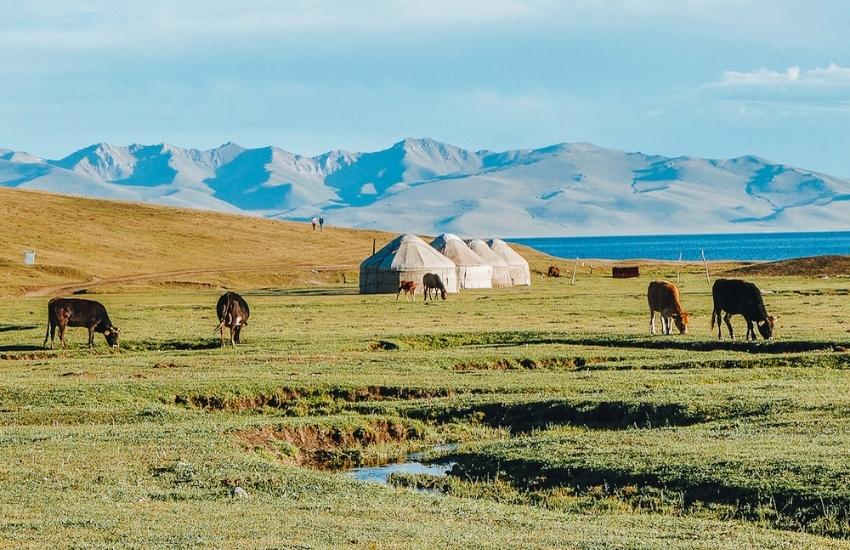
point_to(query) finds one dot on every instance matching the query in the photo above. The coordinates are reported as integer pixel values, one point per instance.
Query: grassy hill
(574, 427)
(82, 242)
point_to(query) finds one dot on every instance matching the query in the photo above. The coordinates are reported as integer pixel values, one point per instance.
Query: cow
(233, 313)
(77, 312)
(409, 289)
(432, 281)
(663, 297)
(554, 271)
(737, 297)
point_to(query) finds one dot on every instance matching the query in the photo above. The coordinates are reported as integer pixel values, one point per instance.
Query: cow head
(766, 328)
(111, 335)
(443, 293)
(681, 320)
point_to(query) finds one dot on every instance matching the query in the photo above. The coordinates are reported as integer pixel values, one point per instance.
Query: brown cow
(408, 287)
(233, 313)
(76, 312)
(664, 298)
(554, 271)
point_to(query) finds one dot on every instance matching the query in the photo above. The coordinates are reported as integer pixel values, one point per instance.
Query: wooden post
(705, 263)
(373, 247)
(575, 267)
(678, 267)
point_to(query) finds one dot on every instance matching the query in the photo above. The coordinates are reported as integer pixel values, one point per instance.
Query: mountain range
(425, 186)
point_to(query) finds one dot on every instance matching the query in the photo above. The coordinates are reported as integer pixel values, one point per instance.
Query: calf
(409, 289)
(233, 313)
(554, 271)
(737, 297)
(77, 312)
(663, 297)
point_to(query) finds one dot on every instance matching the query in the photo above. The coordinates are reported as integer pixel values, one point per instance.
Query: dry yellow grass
(85, 242)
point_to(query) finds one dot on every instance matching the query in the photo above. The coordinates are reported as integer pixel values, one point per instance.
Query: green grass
(577, 429)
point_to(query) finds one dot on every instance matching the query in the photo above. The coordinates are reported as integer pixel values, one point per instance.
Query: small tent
(405, 258)
(501, 270)
(472, 271)
(520, 273)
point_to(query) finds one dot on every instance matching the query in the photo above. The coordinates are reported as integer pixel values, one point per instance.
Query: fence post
(705, 263)
(678, 267)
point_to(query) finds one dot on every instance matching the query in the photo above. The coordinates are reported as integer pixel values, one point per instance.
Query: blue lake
(740, 246)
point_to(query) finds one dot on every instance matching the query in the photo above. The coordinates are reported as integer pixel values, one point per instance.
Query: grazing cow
(737, 297)
(663, 297)
(77, 312)
(409, 289)
(432, 281)
(554, 271)
(233, 313)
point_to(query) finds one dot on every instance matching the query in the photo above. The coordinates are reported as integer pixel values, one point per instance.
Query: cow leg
(238, 330)
(397, 294)
(751, 333)
(91, 337)
(232, 341)
(62, 337)
(50, 328)
(651, 322)
(221, 329)
(665, 324)
(728, 319)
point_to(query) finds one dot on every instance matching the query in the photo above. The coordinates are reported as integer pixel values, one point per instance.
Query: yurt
(520, 274)
(405, 258)
(501, 270)
(472, 271)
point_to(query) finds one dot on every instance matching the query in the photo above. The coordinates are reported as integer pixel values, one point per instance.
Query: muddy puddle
(416, 463)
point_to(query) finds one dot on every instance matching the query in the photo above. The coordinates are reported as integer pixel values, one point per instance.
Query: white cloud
(819, 77)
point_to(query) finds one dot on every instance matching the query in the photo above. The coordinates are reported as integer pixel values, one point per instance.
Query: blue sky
(705, 78)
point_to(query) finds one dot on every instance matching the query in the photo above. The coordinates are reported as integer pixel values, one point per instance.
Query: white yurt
(405, 258)
(472, 271)
(520, 273)
(501, 269)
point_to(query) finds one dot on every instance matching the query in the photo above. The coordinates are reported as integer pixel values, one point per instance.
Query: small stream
(412, 465)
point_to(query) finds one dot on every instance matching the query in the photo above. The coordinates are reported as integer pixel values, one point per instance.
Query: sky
(711, 78)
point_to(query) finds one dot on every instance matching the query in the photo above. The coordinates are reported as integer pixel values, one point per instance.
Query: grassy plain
(576, 428)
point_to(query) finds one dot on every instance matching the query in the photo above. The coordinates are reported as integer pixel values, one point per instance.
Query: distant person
(314, 221)
(321, 223)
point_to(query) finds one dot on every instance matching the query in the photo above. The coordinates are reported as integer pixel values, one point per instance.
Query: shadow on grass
(171, 345)
(13, 328)
(321, 291)
(21, 347)
(513, 339)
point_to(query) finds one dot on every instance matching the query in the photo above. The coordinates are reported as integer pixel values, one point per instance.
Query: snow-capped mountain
(425, 186)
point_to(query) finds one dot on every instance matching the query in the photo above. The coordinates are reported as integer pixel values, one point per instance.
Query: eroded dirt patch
(296, 399)
(326, 447)
(533, 363)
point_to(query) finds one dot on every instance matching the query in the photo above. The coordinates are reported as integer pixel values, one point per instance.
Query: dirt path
(165, 275)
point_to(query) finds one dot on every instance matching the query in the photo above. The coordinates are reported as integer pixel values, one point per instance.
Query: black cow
(77, 312)
(737, 297)
(432, 281)
(233, 313)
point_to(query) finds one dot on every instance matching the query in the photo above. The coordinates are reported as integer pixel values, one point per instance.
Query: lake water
(744, 246)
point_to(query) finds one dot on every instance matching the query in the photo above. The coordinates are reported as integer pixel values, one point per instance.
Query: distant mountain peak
(427, 186)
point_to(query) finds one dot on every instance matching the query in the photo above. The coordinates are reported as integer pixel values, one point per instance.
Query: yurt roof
(456, 250)
(407, 252)
(501, 248)
(486, 253)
